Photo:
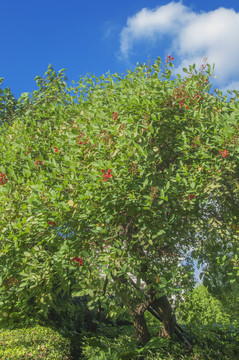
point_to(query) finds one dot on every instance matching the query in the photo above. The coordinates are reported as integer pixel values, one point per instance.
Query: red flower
(108, 175)
(192, 197)
(169, 58)
(115, 115)
(2, 180)
(10, 281)
(37, 162)
(77, 259)
(56, 149)
(51, 223)
(224, 153)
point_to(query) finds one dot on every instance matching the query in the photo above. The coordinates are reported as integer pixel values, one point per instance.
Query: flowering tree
(115, 179)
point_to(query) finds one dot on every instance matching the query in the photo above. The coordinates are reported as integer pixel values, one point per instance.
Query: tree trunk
(141, 331)
(164, 309)
(135, 306)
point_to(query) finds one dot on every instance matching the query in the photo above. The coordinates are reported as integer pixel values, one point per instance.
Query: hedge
(33, 343)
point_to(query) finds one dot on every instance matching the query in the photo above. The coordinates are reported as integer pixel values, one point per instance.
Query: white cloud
(234, 85)
(150, 23)
(191, 35)
(109, 29)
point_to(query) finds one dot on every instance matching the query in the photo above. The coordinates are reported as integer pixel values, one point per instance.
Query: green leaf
(27, 254)
(64, 248)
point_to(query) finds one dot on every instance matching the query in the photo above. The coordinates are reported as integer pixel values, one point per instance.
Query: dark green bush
(214, 341)
(33, 343)
(71, 315)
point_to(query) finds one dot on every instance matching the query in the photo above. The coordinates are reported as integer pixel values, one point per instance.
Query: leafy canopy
(128, 174)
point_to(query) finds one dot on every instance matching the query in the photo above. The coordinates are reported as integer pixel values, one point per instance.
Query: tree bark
(141, 331)
(164, 309)
(135, 307)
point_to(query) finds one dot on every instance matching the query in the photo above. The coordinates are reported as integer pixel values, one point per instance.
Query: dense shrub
(33, 343)
(209, 343)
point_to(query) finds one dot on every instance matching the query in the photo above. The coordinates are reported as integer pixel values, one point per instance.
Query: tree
(201, 308)
(220, 277)
(113, 178)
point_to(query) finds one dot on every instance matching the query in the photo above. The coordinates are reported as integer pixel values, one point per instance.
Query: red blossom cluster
(190, 197)
(10, 281)
(81, 140)
(115, 115)
(122, 129)
(38, 162)
(146, 121)
(106, 176)
(133, 168)
(29, 149)
(169, 58)
(203, 65)
(2, 180)
(182, 97)
(224, 153)
(78, 260)
(106, 137)
(56, 149)
(79, 137)
(43, 196)
(51, 223)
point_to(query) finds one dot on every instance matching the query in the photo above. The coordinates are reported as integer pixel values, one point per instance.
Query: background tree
(220, 276)
(113, 178)
(200, 307)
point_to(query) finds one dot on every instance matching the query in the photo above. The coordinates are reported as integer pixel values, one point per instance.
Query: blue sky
(99, 36)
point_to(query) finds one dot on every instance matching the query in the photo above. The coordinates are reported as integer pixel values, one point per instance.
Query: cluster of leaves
(165, 188)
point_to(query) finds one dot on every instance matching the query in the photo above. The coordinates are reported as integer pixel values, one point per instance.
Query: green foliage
(33, 343)
(209, 343)
(214, 341)
(128, 173)
(7, 105)
(220, 277)
(109, 340)
(71, 315)
(200, 307)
